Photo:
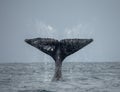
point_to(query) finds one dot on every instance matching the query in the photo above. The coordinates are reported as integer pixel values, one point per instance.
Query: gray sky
(97, 19)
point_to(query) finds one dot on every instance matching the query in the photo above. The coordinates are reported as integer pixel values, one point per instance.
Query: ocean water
(77, 77)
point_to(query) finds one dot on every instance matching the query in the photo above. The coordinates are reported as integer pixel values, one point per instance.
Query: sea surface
(77, 77)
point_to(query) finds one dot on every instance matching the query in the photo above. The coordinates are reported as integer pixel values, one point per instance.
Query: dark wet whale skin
(58, 50)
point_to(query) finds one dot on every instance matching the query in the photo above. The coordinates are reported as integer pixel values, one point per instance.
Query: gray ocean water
(78, 77)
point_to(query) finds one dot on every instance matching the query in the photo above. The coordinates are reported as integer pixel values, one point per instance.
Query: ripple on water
(78, 77)
(38, 90)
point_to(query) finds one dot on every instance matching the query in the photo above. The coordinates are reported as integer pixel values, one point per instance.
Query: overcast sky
(60, 19)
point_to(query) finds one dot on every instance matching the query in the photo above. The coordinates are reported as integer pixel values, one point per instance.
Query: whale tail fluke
(65, 46)
(58, 50)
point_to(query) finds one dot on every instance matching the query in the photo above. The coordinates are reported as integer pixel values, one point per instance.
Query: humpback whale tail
(58, 50)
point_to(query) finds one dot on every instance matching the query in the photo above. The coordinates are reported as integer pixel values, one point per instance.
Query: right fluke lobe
(70, 46)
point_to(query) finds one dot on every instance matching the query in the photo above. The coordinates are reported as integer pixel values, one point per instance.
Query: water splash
(45, 30)
(77, 31)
